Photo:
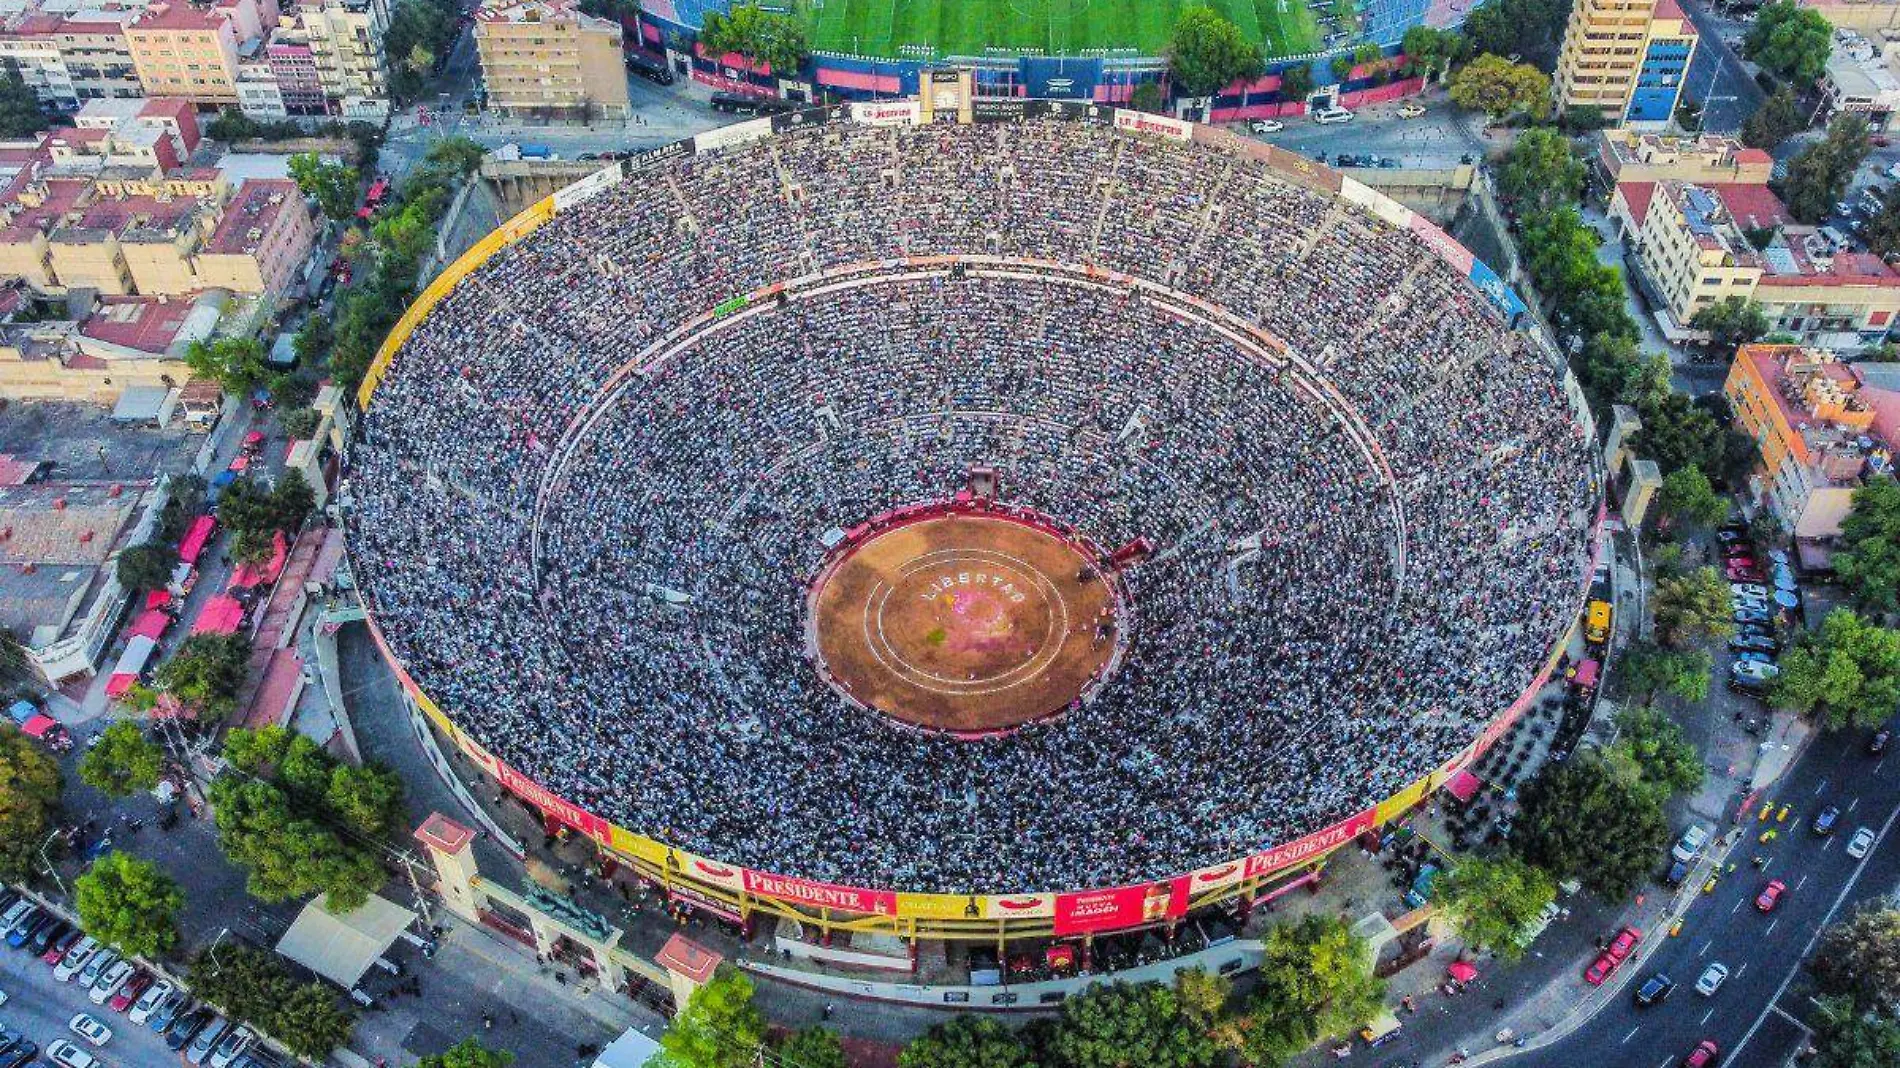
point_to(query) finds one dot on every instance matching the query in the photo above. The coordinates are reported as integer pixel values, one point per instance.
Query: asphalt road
(1716, 75)
(40, 1007)
(1754, 1018)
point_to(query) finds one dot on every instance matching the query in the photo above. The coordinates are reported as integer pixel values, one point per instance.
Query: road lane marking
(1744, 967)
(1706, 1015)
(1804, 879)
(1851, 804)
(1786, 980)
(1705, 949)
(1818, 789)
(1882, 764)
(1825, 845)
(1736, 909)
(1632, 1034)
(1771, 926)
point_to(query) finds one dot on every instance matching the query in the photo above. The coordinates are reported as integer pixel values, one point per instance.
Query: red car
(1741, 561)
(1702, 1056)
(1743, 574)
(130, 992)
(1606, 962)
(1770, 895)
(61, 946)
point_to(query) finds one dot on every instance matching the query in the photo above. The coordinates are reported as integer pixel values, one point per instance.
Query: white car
(75, 959)
(1862, 841)
(1712, 978)
(67, 1055)
(1328, 116)
(109, 982)
(149, 1001)
(88, 1027)
(1266, 126)
(1411, 111)
(1894, 171)
(1749, 671)
(1747, 589)
(1690, 844)
(234, 1046)
(96, 967)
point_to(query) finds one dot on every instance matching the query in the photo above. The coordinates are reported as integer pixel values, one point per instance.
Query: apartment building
(1626, 58)
(1626, 155)
(1823, 428)
(29, 44)
(545, 58)
(98, 54)
(1863, 77)
(262, 241)
(193, 50)
(345, 39)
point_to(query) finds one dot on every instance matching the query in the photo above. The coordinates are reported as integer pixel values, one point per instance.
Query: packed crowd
(652, 667)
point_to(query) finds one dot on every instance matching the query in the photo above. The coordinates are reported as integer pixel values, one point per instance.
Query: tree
(1122, 1025)
(814, 1047)
(368, 799)
(1582, 819)
(1296, 83)
(1867, 561)
(313, 340)
(1490, 901)
(1774, 121)
(129, 904)
(236, 364)
(1205, 998)
(1649, 668)
(966, 1042)
(253, 985)
(300, 424)
(1207, 52)
(334, 185)
(1859, 958)
(207, 672)
(288, 856)
(1851, 1037)
(1530, 29)
(1146, 96)
(1848, 672)
(122, 762)
(719, 1028)
(1686, 499)
(29, 792)
(1499, 87)
(1541, 172)
(1315, 979)
(147, 566)
(310, 1022)
(1693, 607)
(1791, 41)
(1431, 50)
(254, 513)
(762, 37)
(1821, 172)
(1883, 230)
(470, 1053)
(1731, 321)
(20, 112)
(1651, 751)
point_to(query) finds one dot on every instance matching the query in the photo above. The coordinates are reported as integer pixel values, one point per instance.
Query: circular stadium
(844, 507)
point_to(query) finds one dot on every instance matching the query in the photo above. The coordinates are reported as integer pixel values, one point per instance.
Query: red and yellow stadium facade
(742, 894)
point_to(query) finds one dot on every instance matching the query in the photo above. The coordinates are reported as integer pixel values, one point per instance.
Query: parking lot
(40, 1007)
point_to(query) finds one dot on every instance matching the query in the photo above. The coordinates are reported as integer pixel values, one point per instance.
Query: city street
(1439, 138)
(40, 1007)
(1717, 77)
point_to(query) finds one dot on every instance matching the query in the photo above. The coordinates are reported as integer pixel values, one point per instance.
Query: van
(1834, 237)
(653, 70)
(1689, 846)
(1596, 622)
(1328, 116)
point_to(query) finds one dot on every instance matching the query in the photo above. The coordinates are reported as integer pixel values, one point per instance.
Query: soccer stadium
(1050, 27)
(1047, 518)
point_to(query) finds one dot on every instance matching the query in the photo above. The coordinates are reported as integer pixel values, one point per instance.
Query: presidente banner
(1121, 906)
(821, 895)
(573, 815)
(1304, 849)
(975, 906)
(1160, 125)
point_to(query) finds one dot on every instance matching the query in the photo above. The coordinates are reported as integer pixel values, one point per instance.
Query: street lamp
(49, 869)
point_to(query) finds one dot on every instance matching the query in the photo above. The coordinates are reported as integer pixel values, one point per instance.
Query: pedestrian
(827, 1010)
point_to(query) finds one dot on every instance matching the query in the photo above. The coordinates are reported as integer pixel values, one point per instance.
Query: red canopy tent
(196, 537)
(1586, 674)
(1463, 971)
(249, 574)
(1464, 785)
(157, 599)
(151, 625)
(222, 615)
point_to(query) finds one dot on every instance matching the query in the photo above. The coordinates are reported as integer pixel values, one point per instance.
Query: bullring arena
(1046, 518)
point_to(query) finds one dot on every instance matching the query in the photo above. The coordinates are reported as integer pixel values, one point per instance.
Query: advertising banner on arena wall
(1299, 169)
(1441, 242)
(1216, 877)
(798, 120)
(1395, 806)
(738, 133)
(1304, 849)
(1001, 108)
(1019, 906)
(1060, 77)
(1121, 906)
(571, 814)
(821, 895)
(710, 872)
(1493, 287)
(887, 113)
(593, 185)
(654, 157)
(1159, 125)
(636, 845)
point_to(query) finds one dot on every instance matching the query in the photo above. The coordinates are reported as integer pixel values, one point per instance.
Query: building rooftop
(252, 213)
(1846, 422)
(179, 16)
(147, 324)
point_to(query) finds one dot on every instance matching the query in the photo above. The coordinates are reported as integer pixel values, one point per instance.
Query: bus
(740, 104)
(1596, 623)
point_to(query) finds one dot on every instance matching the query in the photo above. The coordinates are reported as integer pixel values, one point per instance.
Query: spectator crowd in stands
(1401, 598)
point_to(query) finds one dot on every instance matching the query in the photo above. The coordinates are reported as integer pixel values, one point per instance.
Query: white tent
(341, 947)
(631, 1050)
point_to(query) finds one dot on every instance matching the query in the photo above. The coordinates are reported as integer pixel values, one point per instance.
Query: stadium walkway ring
(871, 667)
(727, 889)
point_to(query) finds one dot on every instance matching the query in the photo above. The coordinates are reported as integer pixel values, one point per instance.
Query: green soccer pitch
(903, 28)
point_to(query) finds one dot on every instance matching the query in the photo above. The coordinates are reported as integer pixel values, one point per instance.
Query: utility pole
(50, 870)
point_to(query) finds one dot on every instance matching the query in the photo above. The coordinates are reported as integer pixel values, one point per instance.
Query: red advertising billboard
(1303, 849)
(532, 792)
(821, 895)
(1123, 906)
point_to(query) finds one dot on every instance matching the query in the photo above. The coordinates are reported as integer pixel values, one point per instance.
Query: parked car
(1862, 841)
(88, 1027)
(185, 1028)
(1825, 819)
(1266, 126)
(1328, 116)
(1712, 979)
(109, 982)
(232, 1047)
(19, 1055)
(1655, 989)
(1749, 589)
(1678, 872)
(1690, 844)
(30, 921)
(1607, 961)
(47, 935)
(67, 1055)
(1753, 674)
(56, 951)
(1770, 895)
(1753, 643)
(133, 989)
(148, 1002)
(96, 967)
(1412, 110)
(10, 1038)
(1702, 1056)
(76, 960)
(1878, 743)
(1751, 615)
(1754, 658)
(173, 1006)
(206, 1039)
